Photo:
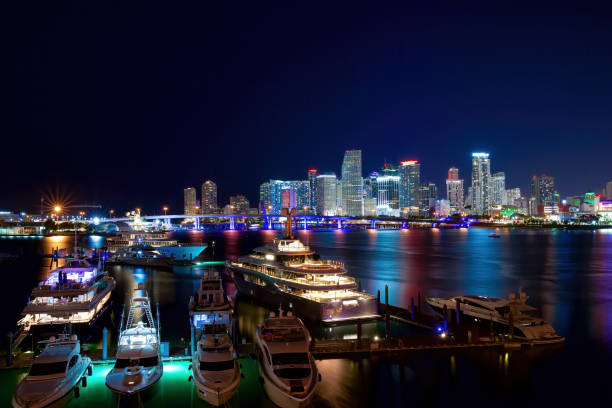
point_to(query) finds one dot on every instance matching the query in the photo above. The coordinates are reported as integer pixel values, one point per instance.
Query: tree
(49, 225)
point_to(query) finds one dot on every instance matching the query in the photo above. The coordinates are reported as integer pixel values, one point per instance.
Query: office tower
(326, 186)
(428, 193)
(209, 197)
(481, 178)
(372, 189)
(239, 204)
(265, 206)
(352, 187)
(369, 207)
(410, 181)
(442, 208)
(497, 188)
(312, 204)
(511, 195)
(607, 191)
(339, 198)
(189, 196)
(543, 190)
(387, 186)
(271, 194)
(454, 190)
(522, 205)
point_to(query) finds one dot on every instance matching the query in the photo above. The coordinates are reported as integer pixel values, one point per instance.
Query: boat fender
(241, 375)
(89, 370)
(77, 392)
(190, 366)
(190, 378)
(260, 379)
(84, 381)
(240, 365)
(320, 379)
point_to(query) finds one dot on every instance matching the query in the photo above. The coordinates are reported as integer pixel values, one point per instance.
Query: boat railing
(57, 307)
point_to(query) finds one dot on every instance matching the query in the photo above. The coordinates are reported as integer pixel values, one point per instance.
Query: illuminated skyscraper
(607, 191)
(387, 202)
(543, 190)
(428, 193)
(498, 188)
(312, 178)
(352, 187)
(271, 194)
(209, 197)
(481, 179)
(410, 180)
(512, 194)
(189, 196)
(264, 198)
(454, 190)
(239, 204)
(326, 186)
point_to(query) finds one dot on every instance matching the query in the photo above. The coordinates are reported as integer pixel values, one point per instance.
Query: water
(567, 274)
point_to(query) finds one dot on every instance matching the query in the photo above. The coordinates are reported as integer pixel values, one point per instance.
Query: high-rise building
(370, 189)
(239, 204)
(312, 204)
(189, 196)
(442, 208)
(511, 195)
(352, 184)
(410, 181)
(454, 190)
(543, 190)
(428, 193)
(497, 188)
(265, 206)
(387, 187)
(271, 194)
(209, 197)
(607, 191)
(481, 179)
(326, 186)
(369, 207)
(339, 198)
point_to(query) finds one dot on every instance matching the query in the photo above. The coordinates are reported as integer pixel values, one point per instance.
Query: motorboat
(75, 294)
(289, 273)
(505, 315)
(54, 374)
(210, 309)
(138, 365)
(141, 255)
(494, 235)
(159, 241)
(215, 369)
(288, 370)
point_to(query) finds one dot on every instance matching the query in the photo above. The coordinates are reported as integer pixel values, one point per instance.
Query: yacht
(215, 369)
(138, 365)
(76, 293)
(183, 252)
(140, 255)
(288, 370)
(287, 272)
(54, 374)
(502, 313)
(210, 309)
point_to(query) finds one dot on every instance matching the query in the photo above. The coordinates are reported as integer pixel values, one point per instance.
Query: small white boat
(54, 375)
(215, 370)
(288, 370)
(139, 365)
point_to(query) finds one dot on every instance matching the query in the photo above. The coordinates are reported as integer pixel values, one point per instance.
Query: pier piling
(387, 316)
(457, 310)
(104, 343)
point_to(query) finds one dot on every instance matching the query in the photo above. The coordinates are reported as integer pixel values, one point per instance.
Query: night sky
(125, 105)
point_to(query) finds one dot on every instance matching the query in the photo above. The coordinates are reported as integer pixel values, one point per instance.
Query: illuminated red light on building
(312, 170)
(408, 162)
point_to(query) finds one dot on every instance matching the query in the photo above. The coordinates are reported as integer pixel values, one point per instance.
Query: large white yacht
(181, 252)
(76, 293)
(503, 313)
(139, 364)
(139, 255)
(287, 272)
(55, 373)
(288, 370)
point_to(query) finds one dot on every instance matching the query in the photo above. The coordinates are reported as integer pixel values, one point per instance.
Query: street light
(165, 210)
(111, 212)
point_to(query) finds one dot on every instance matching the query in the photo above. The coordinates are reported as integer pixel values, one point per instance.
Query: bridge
(303, 220)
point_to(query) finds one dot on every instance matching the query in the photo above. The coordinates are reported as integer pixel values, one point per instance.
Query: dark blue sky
(126, 105)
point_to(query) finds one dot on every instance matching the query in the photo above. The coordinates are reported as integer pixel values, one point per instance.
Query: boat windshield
(292, 373)
(289, 358)
(48, 368)
(145, 362)
(216, 365)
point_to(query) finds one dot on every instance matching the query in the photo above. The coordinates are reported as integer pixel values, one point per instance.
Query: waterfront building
(240, 204)
(271, 194)
(543, 190)
(370, 186)
(511, 195)
(454, 190)
(428, 193)
(369, 207)
(498, 188)
(312, 196)
(481, 179)
(533, 206)
(209, 197)
(607, 191)
(522, 205)
(352, 184)
(339, 197)
(326, 186)
(410, 181)
(443, 208)
(189, 196)
(387, 186)
(264, 198)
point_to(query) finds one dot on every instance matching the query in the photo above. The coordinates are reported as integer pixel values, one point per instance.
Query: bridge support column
(270, 223)
(197, 223)
(339, 223)
(167, 222)
(305, 223)
(232, 225)
(403, 224)
(373, 224)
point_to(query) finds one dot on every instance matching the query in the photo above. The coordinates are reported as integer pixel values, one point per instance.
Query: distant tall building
(189, 196)
(498, 188)
(370, 189)
(410, 181)
(239, 204)
(265, 205)
(454, 190)
(352, 184)
(326, 186)
(543, 190)
(607, 191)
(481, 180)
(209, 197)
(312, 178)
(339, 198)
(512, 194)
(270, 194)
(428, 193)
(387, 187)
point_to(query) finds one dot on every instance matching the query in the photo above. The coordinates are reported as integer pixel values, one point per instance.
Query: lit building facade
(607, 191)
(239, 204)
(454, 190)
(498, 188)
(410, 181)
(387, 202)
(481, 179)
(312, 178)
(442, 208)
(264, 198)
(543, 189)
(352, 184)
(271, 195)
(209, 197)
(326, 186)
(189, 197)
(511, 195)
(429, 194)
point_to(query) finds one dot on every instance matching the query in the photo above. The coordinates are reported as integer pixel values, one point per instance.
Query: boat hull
(182, 253)
(208, 393)
(115, 382)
